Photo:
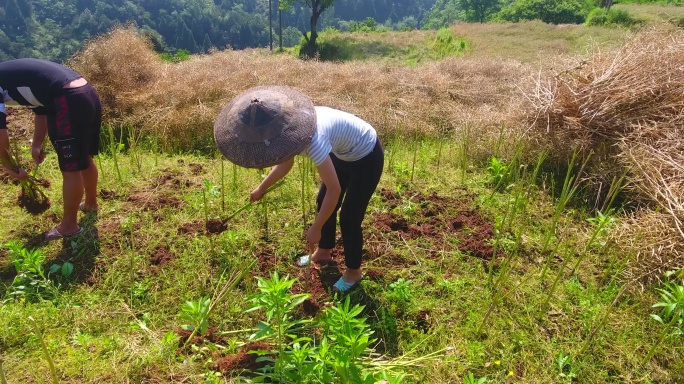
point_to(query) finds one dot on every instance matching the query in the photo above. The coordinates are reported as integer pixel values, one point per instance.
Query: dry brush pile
(627, 107)
(179, 101)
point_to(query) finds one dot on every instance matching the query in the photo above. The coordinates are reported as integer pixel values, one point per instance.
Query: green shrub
(446, 43)
(368, 25)
(180, 55)
(548, 11)
(613, 17)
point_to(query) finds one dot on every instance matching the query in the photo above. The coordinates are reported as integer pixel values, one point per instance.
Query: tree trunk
(606, 4)
(316, 10)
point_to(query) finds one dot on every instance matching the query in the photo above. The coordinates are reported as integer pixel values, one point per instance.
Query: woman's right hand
(256, 195)
(38, 154)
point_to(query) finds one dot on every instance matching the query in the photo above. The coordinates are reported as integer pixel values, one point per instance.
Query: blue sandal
(343, 287)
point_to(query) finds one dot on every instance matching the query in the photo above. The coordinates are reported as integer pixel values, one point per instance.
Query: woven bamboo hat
(264, 126)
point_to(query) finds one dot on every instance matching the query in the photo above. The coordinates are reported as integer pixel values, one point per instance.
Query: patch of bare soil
(432, 219)
(196, 168)
(153, 200)
(32, 205)
(160, 258)
(213, 226)
(243, 359)
(172, 179)
(320, 282)
(107, 194)
(190, 228)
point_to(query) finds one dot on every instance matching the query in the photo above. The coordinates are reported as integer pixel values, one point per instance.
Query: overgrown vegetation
(488, 257)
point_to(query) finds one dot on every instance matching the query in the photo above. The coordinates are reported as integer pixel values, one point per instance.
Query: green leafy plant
(471, 379)
(671, 314)
(30, 283)
(274, 298)
(342, 355)
(498, 172)
(194, 313)
(401, 289)
(65, 269)
(565, 368)
(350, 339)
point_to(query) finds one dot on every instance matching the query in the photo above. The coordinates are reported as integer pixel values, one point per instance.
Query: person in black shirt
(68, 110)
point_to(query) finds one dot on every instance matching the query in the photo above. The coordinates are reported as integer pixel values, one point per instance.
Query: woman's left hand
(313, 236)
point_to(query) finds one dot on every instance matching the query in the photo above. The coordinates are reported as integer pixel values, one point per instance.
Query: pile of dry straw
(630, 105)
(180, 101)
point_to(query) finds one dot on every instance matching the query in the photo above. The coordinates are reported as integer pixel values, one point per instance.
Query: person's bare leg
(320, 255)
(90, 179)
(352, 275)
(72, 192)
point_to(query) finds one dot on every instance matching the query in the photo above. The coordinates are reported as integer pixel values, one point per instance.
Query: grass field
(484, 261)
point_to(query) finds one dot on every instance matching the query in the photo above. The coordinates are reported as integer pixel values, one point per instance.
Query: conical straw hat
(264, 126)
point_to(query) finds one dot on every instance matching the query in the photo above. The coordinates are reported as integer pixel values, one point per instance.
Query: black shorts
(74, 128)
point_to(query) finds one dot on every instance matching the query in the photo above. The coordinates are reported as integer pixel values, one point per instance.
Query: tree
(442, 14)
(548, 11)
(479, 10)
(606, 4)
(317, 7)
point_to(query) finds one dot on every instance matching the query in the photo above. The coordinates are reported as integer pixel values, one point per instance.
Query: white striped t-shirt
(348, 137)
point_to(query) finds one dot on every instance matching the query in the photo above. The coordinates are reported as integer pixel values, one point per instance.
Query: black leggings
(358, 180)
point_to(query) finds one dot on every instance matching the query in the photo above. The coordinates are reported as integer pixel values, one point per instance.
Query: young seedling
(671, 314)
(115, 146)
(571, 185)
(568, 254)
(2, 372)
(565, 368)
(32, 196)
(601, 223)
(30, 283)
(39, 334)
(274, 298)
(499, 173)
(197, 312)
(223, 188)
(471, 379)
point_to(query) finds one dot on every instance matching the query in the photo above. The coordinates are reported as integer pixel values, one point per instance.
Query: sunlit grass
(122, 319)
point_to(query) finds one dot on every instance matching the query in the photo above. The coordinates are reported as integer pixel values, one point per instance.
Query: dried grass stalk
(605, 96)
(653, 245)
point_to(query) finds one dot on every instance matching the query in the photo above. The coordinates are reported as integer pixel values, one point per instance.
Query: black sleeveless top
(33, 83)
